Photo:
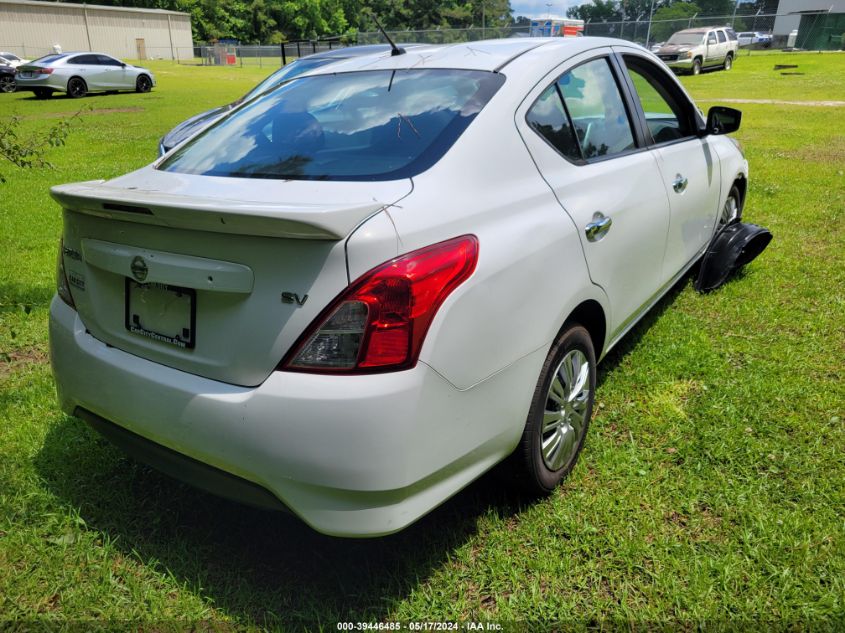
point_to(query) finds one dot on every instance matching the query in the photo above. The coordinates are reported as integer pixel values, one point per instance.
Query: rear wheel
(696, 67)
(560, 412)
(43, 93)
(143, 84)
(76, 88)
(729, 62)
(7, 83)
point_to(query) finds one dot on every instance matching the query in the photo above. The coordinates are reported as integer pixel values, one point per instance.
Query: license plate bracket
(162, 312)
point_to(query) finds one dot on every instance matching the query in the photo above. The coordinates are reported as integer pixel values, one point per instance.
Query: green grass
(711, 492)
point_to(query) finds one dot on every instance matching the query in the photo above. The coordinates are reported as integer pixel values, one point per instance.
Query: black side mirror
(722, 120)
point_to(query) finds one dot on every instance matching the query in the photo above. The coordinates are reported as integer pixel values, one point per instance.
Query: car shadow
(265, 567)
(255, 565)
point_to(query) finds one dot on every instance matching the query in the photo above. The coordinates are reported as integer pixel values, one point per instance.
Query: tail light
(43, 71)
(62, 286)
(379, 322)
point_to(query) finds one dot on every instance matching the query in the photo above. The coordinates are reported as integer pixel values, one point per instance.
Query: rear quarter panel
(531, 271)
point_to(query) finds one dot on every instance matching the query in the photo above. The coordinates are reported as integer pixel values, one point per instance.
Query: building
(817, 16)
(30, 29)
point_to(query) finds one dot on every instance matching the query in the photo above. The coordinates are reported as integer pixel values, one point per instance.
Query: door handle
(679, 184)
(598, 228)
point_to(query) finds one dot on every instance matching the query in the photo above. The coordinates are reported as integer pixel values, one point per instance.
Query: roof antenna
(394, 50)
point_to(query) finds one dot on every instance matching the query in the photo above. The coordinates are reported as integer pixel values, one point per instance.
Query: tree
(672, 18)
(27, 151)
(597, 11)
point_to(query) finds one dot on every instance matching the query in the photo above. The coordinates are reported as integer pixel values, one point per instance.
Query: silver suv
(691, 50)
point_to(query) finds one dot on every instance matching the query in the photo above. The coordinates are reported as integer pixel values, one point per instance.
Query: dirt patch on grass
(833, 151)
(64, 115)
(814, 104)
(10, 361)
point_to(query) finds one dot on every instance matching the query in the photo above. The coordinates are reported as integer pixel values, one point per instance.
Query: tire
(7, 83)
(560, 413)
(76, 88)
(729, 62)
(143, 84)
(731, 210)
(43, 93)
(696, 67)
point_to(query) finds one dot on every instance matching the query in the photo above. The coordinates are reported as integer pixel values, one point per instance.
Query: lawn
(711, 493)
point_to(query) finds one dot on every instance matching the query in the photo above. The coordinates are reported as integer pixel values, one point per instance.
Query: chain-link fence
(818, 30)
(813, 30)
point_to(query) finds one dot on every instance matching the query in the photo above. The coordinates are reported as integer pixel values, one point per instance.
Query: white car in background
(10, 59)
(77, 74)
(362, 289)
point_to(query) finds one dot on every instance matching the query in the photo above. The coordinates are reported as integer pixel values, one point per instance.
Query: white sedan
(77, 74)
(360, 291)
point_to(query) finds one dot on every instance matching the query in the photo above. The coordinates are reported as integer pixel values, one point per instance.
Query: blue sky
(538, 8)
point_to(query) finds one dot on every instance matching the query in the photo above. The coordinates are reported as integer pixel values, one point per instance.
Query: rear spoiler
(299, 221)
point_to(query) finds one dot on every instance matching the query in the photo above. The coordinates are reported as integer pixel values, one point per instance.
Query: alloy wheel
(7, 84)
(565, 415)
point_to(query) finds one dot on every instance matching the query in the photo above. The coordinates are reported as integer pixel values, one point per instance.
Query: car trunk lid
(214, 276)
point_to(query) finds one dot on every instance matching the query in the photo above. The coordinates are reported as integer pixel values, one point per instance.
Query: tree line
(276, 21)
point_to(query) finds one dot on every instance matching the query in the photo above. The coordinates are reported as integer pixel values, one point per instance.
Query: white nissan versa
(358, 292)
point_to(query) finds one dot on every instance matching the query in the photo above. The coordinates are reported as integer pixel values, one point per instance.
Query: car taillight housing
(62, 286)
(380, 321)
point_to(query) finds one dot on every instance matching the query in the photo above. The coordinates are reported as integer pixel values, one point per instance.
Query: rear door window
(548, 118)
(105, 60)
(582, 114)
(84, 60)
(596, 109)
(722, 37)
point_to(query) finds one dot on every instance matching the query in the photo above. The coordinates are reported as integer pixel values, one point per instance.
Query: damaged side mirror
(722, 120)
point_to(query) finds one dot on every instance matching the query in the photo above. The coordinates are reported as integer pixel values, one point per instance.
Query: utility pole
(648, 31)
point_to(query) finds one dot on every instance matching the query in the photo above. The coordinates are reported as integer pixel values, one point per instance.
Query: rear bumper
(44, 81)
(350, 455)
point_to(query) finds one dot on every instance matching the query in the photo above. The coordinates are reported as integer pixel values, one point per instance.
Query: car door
(711, 55)
(113, 74)
(87, 67)
(577, 126)
(723, 44)
(688, 165)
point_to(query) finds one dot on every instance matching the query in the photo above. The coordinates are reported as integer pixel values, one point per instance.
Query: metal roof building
(30, 29)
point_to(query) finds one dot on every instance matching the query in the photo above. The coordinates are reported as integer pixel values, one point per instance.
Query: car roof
(488, 55)
(353, 51)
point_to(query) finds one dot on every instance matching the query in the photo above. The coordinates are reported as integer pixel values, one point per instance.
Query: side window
(76, 61)
(722, 37)
(666, 111)
(104, 60)
(711, 38)
(731, 35)
(549, 120)
(596, 109)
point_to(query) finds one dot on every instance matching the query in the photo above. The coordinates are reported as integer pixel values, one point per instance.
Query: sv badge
(292, 297)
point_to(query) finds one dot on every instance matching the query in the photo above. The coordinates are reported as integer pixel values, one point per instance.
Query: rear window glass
(371, 125)
(48, 58)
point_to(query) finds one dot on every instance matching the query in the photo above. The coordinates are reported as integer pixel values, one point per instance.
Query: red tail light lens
(45, 71)
(379, 323)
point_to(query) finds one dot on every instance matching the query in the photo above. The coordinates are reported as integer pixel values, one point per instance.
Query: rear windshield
(48, 58)
(294, 69)
(371, 125)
